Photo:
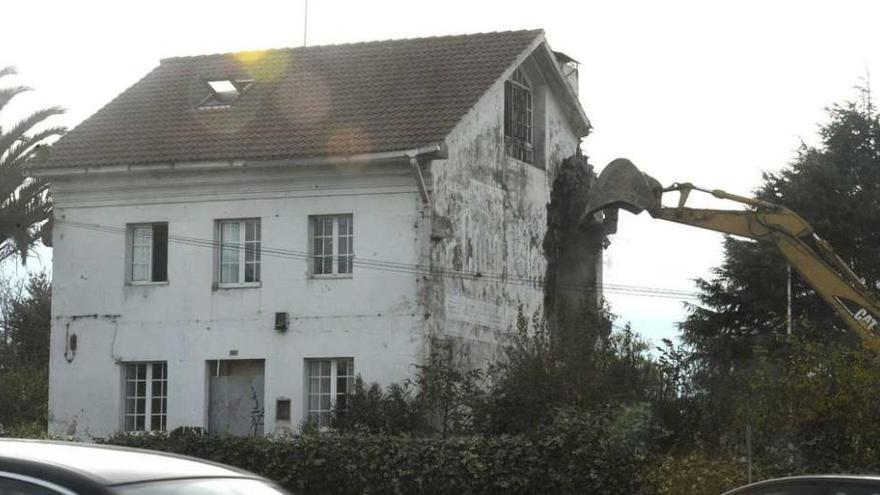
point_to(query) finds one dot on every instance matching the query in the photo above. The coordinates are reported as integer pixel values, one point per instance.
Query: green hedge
(372, 464)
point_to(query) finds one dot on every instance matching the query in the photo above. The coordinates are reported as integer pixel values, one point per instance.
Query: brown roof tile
(304, 102)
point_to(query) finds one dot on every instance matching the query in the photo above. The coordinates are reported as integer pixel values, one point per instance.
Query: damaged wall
(489, 221)
(573, 248)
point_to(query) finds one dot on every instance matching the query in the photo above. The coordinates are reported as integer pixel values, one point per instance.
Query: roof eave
(579, 116)
(437, 150)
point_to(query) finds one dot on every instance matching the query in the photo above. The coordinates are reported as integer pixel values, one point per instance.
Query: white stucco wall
(371, 317)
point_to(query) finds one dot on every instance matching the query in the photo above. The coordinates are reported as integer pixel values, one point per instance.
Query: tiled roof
(304, 102)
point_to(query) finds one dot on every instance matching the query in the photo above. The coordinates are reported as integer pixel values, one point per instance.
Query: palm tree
(24, 202)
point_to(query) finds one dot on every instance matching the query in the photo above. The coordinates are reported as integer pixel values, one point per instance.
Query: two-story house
(236, 236)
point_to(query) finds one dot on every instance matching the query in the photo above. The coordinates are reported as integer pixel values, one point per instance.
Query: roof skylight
(224, 92)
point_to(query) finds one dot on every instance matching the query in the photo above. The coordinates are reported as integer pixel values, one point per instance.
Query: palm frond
(20, 213)
(8, 71)
(21, 128)
(10, 180)
(21, 151)
(29, 196)
(17, 234)
(24, 202)
(7, 94)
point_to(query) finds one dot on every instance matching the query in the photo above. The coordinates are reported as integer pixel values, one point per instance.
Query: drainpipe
(420, 180)
(417, 170)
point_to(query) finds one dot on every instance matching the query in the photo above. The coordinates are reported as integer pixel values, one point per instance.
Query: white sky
(707, 92)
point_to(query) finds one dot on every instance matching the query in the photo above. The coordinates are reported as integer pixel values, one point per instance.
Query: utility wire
(413, 269)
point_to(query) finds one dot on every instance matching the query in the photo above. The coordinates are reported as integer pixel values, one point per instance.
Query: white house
(236, 236)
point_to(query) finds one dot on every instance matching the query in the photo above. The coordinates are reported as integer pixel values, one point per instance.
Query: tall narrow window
(329, 385)
(518, 118)
(146, 396)
(332, 244)
(148, 253)
(239, 256)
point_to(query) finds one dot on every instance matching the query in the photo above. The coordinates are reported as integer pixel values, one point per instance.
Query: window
(332, 244)
(224, 92)
(147, 253)
(239, 252)
(146, 396)
(282, 410)
(329, 384)
(518, 118)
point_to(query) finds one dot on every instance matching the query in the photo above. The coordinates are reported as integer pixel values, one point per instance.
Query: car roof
(808, 478)
(115, 465)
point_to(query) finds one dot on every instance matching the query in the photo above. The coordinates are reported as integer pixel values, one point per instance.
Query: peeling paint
(490, 216)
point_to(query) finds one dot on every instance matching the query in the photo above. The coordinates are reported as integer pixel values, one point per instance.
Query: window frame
(521, 148)
(242, 253)
(148, 397)
(334, 237)
(333, 391)
(130, 237)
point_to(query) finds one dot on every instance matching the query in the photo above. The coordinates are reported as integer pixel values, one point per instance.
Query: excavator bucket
(622, 185)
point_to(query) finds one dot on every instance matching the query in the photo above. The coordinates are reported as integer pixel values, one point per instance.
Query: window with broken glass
(147, 258)
(330, 382)
(239, 252)
(146, 396)
(332, 244)
(518, 118)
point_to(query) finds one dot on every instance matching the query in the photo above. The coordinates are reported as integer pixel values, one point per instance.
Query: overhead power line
(415, 269)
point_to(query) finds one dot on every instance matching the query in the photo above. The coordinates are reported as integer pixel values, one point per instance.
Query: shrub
(572, 454)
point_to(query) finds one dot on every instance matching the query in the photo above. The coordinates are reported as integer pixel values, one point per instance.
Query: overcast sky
(707, 92)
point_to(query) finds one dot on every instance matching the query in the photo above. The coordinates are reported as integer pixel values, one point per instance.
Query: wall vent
(281, 321)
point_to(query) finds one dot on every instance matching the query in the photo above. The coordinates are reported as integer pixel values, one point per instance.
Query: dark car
(29, 467)
(813, 485)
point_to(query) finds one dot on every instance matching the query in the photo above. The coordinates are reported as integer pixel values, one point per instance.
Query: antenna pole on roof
(305, 21)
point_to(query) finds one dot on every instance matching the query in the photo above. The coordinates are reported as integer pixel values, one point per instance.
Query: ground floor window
(146, 396)
(329, 384)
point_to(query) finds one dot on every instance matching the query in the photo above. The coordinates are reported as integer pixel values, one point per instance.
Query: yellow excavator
(623, 186)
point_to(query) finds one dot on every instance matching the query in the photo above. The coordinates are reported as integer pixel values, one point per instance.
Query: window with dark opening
(518, 118)
(282, 410)
(148, 253)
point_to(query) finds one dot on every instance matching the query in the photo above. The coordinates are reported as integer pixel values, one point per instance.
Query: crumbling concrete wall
(488, 224)
(573, 247)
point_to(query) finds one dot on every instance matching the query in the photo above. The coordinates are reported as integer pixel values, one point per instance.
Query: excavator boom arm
(844, 292)
(622, 185)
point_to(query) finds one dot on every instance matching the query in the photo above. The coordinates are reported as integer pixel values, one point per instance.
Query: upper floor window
(518, 118)
(239, 252)
(332, 244)
(147, 259)
(146, 396)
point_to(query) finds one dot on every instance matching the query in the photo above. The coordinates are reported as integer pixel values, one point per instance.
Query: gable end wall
(489, 216)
